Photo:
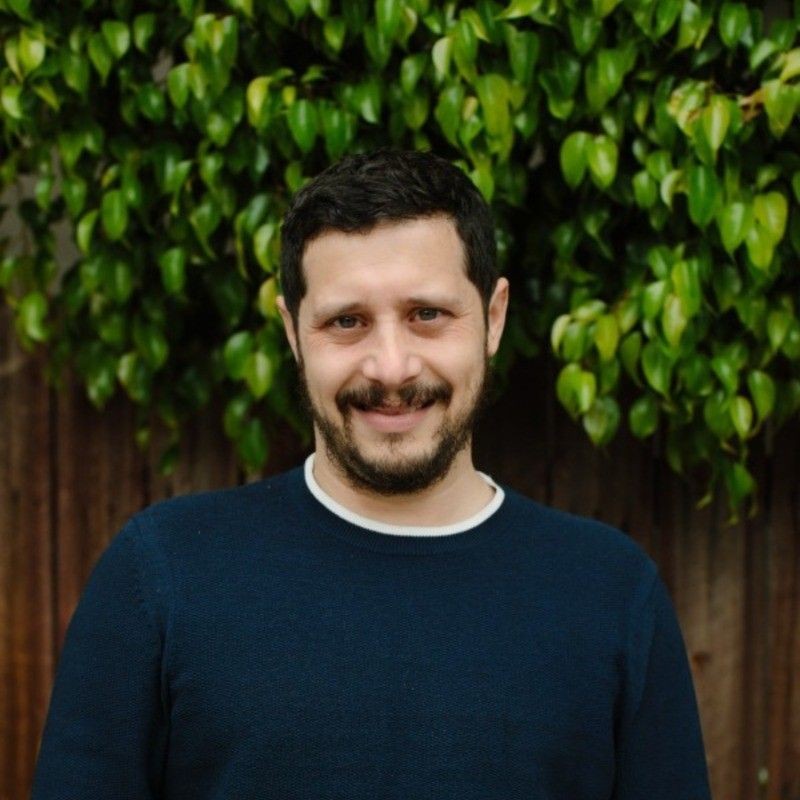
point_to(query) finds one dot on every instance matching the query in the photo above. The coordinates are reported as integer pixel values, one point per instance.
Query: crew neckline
(376, 526)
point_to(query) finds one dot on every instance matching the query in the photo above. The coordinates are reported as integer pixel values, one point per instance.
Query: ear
(288, 324)
(496, 316)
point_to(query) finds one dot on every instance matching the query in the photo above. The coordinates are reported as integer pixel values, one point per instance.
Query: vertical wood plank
(26, 608)
(783, 621)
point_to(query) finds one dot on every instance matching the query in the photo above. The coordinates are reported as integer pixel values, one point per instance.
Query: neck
(461, 494)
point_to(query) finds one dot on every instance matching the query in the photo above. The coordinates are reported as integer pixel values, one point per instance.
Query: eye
(345, 322)
(428, 314)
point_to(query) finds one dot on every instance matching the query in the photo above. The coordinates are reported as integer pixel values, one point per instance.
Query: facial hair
(395, 476)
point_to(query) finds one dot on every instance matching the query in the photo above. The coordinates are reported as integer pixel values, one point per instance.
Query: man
(384, 622)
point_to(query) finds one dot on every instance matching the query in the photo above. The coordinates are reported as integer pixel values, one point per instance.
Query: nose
(391, 358)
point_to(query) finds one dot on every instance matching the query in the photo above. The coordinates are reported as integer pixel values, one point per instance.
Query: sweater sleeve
(660, 752)
(105, 733)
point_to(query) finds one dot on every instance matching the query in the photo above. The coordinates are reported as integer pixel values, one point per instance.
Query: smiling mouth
(393, 410)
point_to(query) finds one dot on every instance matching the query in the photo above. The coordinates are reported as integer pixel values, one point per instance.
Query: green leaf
(629, 351)
(411, 70)
(31, 313)
(674, 319)
(733, 222)
(257, 94)
(441, 54)
(238, 349)
(584, 29)
(606, 336)
(520, 8)
(262, 240)
(653, 297)
(602, 420)
(117, 36)
(368, 97)
(602, 8)
(114, 214)
(716, 119)
(100, 55)
(760, 246)
(643, 416)
(771, 211)
(780, 103)
(144, 26)
(321, 8)
(334, 31)
(387, 16)
(657, 367)
(10, 100)
(75, 71)
(573, 157)
(557, 331)
(267, 298)
(151, 102)
(151, 343)
(645, 190)
(726, 371)
(493, 93)
(762, 390)
(204, 218)
(523, 53)
(695, 22)
(84, 230)
(703, 193)
(173, 269)
(604, 76)
(135, 376)
(685, 275)
(576, 341)
(741, 415)
(448, 112)
(778, 323)
(733, 22)
(576, 389)
(740, 484)
(74, 191)
(716, 413)
(667, 13)
(602, 155)
(31, 50)
(258, 372)
(415, 110)
(178, 84)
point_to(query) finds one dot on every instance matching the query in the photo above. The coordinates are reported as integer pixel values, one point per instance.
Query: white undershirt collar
(401, 530)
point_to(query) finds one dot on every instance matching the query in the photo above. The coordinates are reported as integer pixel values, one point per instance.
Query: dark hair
(358, 192)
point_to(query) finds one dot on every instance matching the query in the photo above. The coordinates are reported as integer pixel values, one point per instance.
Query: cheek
(325, 376)
(461, 366)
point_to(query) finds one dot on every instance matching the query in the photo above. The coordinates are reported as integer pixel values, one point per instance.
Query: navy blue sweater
(249, 644)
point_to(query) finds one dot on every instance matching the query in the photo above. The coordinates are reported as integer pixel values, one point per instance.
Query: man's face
(393, 348)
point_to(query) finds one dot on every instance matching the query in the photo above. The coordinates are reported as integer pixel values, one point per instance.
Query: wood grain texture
(26, 563)
(70, 476)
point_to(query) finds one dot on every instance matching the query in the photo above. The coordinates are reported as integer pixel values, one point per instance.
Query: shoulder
(218, 514)
(584, 548)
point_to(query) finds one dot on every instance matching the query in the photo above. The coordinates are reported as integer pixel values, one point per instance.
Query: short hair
(360, 191)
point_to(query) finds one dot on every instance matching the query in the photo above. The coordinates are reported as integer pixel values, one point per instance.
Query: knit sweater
(250, 644)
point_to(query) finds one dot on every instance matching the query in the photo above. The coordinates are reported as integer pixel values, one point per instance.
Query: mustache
(415, 395)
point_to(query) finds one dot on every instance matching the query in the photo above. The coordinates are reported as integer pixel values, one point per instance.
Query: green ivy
(639, 155)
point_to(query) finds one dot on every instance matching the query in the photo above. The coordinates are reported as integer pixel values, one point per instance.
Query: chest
(362, 681)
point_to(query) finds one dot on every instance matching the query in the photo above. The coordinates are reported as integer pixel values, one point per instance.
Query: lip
(392, 421)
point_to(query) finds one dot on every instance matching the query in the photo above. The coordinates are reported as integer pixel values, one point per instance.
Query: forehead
(397, 256)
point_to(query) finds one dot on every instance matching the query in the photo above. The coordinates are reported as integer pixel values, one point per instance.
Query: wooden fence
(69, 477)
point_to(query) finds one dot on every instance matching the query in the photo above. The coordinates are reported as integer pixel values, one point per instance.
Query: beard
(395, 474)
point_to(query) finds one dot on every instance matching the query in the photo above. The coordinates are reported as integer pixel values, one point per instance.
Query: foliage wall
(640, 156)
